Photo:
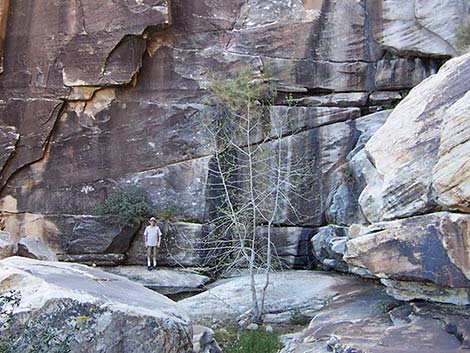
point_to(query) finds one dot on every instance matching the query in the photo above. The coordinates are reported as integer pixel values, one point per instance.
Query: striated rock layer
(418, 195)
(96, 94)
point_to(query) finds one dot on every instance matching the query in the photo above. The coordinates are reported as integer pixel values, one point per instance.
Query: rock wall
(419, 195)
(95, 94)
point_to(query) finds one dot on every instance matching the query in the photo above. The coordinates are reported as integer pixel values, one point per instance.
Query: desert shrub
(126, 206)
(463, 37)
(233, 341)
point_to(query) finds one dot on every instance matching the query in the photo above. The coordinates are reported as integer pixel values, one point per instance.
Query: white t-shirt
(152, 235)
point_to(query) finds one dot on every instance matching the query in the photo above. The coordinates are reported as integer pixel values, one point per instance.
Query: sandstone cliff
(96, 94)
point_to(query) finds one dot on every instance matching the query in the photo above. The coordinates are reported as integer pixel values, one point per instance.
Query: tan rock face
(421, 153)
(451, 174)
(433, 248)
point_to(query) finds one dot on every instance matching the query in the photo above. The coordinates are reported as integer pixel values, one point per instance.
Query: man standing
(153, 236)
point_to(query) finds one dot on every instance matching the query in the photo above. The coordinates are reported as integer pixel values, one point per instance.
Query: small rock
(269, 329)
(8, 246)
(204, 340)
(252, 326)
(35, 248)
(242, 323)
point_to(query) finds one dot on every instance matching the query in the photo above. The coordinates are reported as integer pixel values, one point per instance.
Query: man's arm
(159, 237)
(146, 235)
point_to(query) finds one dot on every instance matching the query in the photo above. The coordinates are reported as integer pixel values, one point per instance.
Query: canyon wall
(97, 94)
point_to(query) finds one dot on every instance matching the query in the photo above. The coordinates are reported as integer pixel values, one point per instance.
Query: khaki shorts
(152, 251)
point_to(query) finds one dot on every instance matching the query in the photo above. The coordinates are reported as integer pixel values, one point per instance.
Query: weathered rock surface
(204, 340)
(8, 140)
(163, 280)
(8, 245)
(98, 235)
(100, 99)
(70, 48)
(291, 246)
(369, 321)
(35, 248)
(351, 177)
(109, 260)
(329, 246)
(421, 152)
(430, 249)
(85, 309)
(413, 27)
(289, 293)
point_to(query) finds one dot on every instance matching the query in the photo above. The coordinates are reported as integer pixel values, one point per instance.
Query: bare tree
(253, 178)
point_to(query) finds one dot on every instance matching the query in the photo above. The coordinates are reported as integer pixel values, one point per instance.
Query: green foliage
(241, 92)
(126, 206)
(259, 341)
(463, 37)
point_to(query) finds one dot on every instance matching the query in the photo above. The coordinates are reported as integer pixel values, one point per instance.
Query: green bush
(126, 206)
(463, 37)
(258, 341)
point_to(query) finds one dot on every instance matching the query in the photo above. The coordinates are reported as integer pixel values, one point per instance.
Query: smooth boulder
(291, 296)
(51, 305)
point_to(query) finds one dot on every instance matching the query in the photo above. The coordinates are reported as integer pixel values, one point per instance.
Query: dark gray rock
(351, 178)
(109, 260)
(99, 235)
(402, 73)
(291, 246)
(329, 246)
(204, 340)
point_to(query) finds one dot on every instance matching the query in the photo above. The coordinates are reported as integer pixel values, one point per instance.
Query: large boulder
(48, 304)
(291, 296)
(35, 248)
(370, 321)
(8, 245)
(421, 154)
(430, 249)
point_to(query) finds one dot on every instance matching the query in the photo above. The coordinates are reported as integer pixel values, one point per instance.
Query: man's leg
(149, 256)
(154, 257)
